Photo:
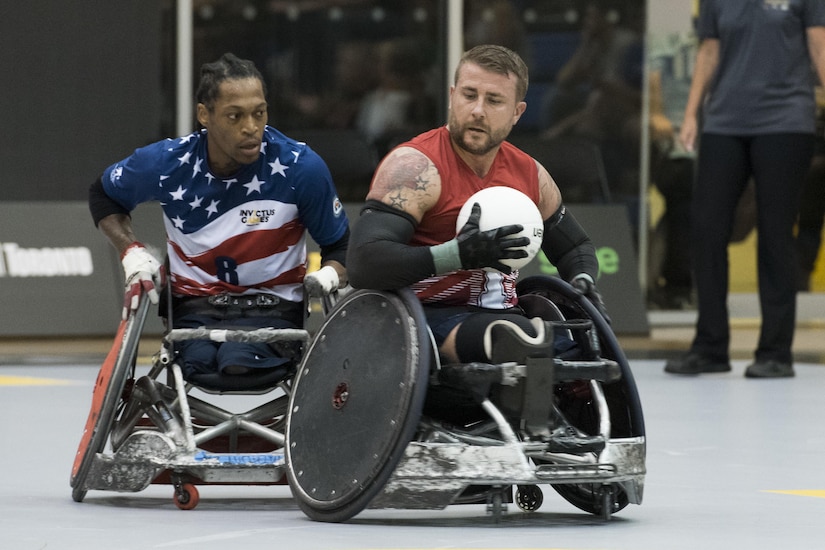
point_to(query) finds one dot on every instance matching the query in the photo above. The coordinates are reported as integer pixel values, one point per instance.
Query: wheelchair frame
(429, 464)
(312, 434)
(141, 431)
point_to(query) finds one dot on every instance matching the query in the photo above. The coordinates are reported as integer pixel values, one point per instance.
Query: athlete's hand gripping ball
(143, 274)
(479, 249)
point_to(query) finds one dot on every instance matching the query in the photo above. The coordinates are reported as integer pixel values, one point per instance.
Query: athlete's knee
(501, 338)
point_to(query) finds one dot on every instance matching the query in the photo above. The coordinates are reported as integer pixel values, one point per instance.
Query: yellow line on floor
(6, 380)
(816, 493)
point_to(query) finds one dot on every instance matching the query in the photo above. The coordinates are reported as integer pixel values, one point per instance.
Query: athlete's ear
(521, 106)
(203, 114)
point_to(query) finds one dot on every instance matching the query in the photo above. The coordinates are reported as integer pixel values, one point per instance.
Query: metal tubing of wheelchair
(212, 413)
(259, 335)
(264, 411)
(184, 407)
(235, 423)
(262, 432)
(504, 427)
(228, 422)
(604, 411)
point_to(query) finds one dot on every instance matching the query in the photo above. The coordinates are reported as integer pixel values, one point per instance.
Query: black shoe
(769, 369)
(693, 363)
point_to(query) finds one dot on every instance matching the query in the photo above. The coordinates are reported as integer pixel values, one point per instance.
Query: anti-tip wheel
(186, 496)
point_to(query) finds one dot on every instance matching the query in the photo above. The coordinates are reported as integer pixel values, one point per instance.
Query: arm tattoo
(405, 172)
(408, 180)
(397, 201)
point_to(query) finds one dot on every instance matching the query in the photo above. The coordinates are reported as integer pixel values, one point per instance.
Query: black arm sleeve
(568, 247)
(100, 204)
(336, 251)
(379, 256)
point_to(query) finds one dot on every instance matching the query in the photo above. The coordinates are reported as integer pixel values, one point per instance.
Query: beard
(486, 143)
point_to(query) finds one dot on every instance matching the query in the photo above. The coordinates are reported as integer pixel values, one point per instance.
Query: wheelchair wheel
(626, 417)
(356, 402)
(594, 498)
(107, 396)
(575, 402)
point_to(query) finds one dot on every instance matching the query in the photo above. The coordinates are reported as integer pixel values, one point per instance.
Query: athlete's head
(487, 97)
(228, 67)
(232, 107)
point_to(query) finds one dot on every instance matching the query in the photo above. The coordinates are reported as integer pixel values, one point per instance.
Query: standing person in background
(753, 85)
(238, 198)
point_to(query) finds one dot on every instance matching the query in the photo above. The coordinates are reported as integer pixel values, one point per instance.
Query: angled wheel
(356, 402)
(107, 396)
(626, 417)
(594, 498)
(575, 399)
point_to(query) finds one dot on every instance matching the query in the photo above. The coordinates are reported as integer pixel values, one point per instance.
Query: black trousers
(777, 163)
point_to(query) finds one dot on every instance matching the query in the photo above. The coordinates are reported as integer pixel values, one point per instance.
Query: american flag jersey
(241, 234)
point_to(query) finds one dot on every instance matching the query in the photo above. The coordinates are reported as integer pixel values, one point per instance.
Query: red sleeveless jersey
(511, 168)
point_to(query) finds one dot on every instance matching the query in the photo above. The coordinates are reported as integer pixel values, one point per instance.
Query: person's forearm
(118, 229)
(707, 60)
(816, 49)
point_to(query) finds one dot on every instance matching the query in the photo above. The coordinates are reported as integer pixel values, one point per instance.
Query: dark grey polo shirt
(764, 81)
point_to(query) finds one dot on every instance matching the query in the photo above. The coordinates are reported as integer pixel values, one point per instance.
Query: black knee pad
(472, 341)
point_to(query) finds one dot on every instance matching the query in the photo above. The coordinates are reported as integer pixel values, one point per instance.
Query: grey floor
(732, 463)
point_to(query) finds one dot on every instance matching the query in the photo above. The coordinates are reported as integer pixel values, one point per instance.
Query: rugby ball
(502, 206)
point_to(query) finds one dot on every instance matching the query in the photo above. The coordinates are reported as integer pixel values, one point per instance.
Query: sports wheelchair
(154, 428)
(376, 421)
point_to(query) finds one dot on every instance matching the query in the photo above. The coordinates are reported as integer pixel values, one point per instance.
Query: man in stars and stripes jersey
(238, 198)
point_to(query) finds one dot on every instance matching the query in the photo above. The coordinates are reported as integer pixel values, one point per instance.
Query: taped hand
(478, 249)
(584, 284)
(322, 282)
(143, 274)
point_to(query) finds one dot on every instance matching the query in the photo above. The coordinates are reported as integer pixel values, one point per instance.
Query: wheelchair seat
(376, 421)
(150, 426)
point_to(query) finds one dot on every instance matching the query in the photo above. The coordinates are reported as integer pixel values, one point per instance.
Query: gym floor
(731, 463)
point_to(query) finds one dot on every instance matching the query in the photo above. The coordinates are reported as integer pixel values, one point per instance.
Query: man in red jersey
(406, 233)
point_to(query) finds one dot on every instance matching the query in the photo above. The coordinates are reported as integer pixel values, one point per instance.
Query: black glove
(478, 249)
(584, 284)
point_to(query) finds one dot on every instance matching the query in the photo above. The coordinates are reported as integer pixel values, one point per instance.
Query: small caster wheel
(529, 497)
(186, 496)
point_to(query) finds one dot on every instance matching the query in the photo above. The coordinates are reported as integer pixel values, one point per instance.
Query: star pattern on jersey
(278, 168)
(197, 168)
(178, 194)
(254, 185)
(212, 208)
(188, 197)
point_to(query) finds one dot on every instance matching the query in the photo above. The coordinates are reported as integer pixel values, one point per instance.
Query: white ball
(502, 206)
